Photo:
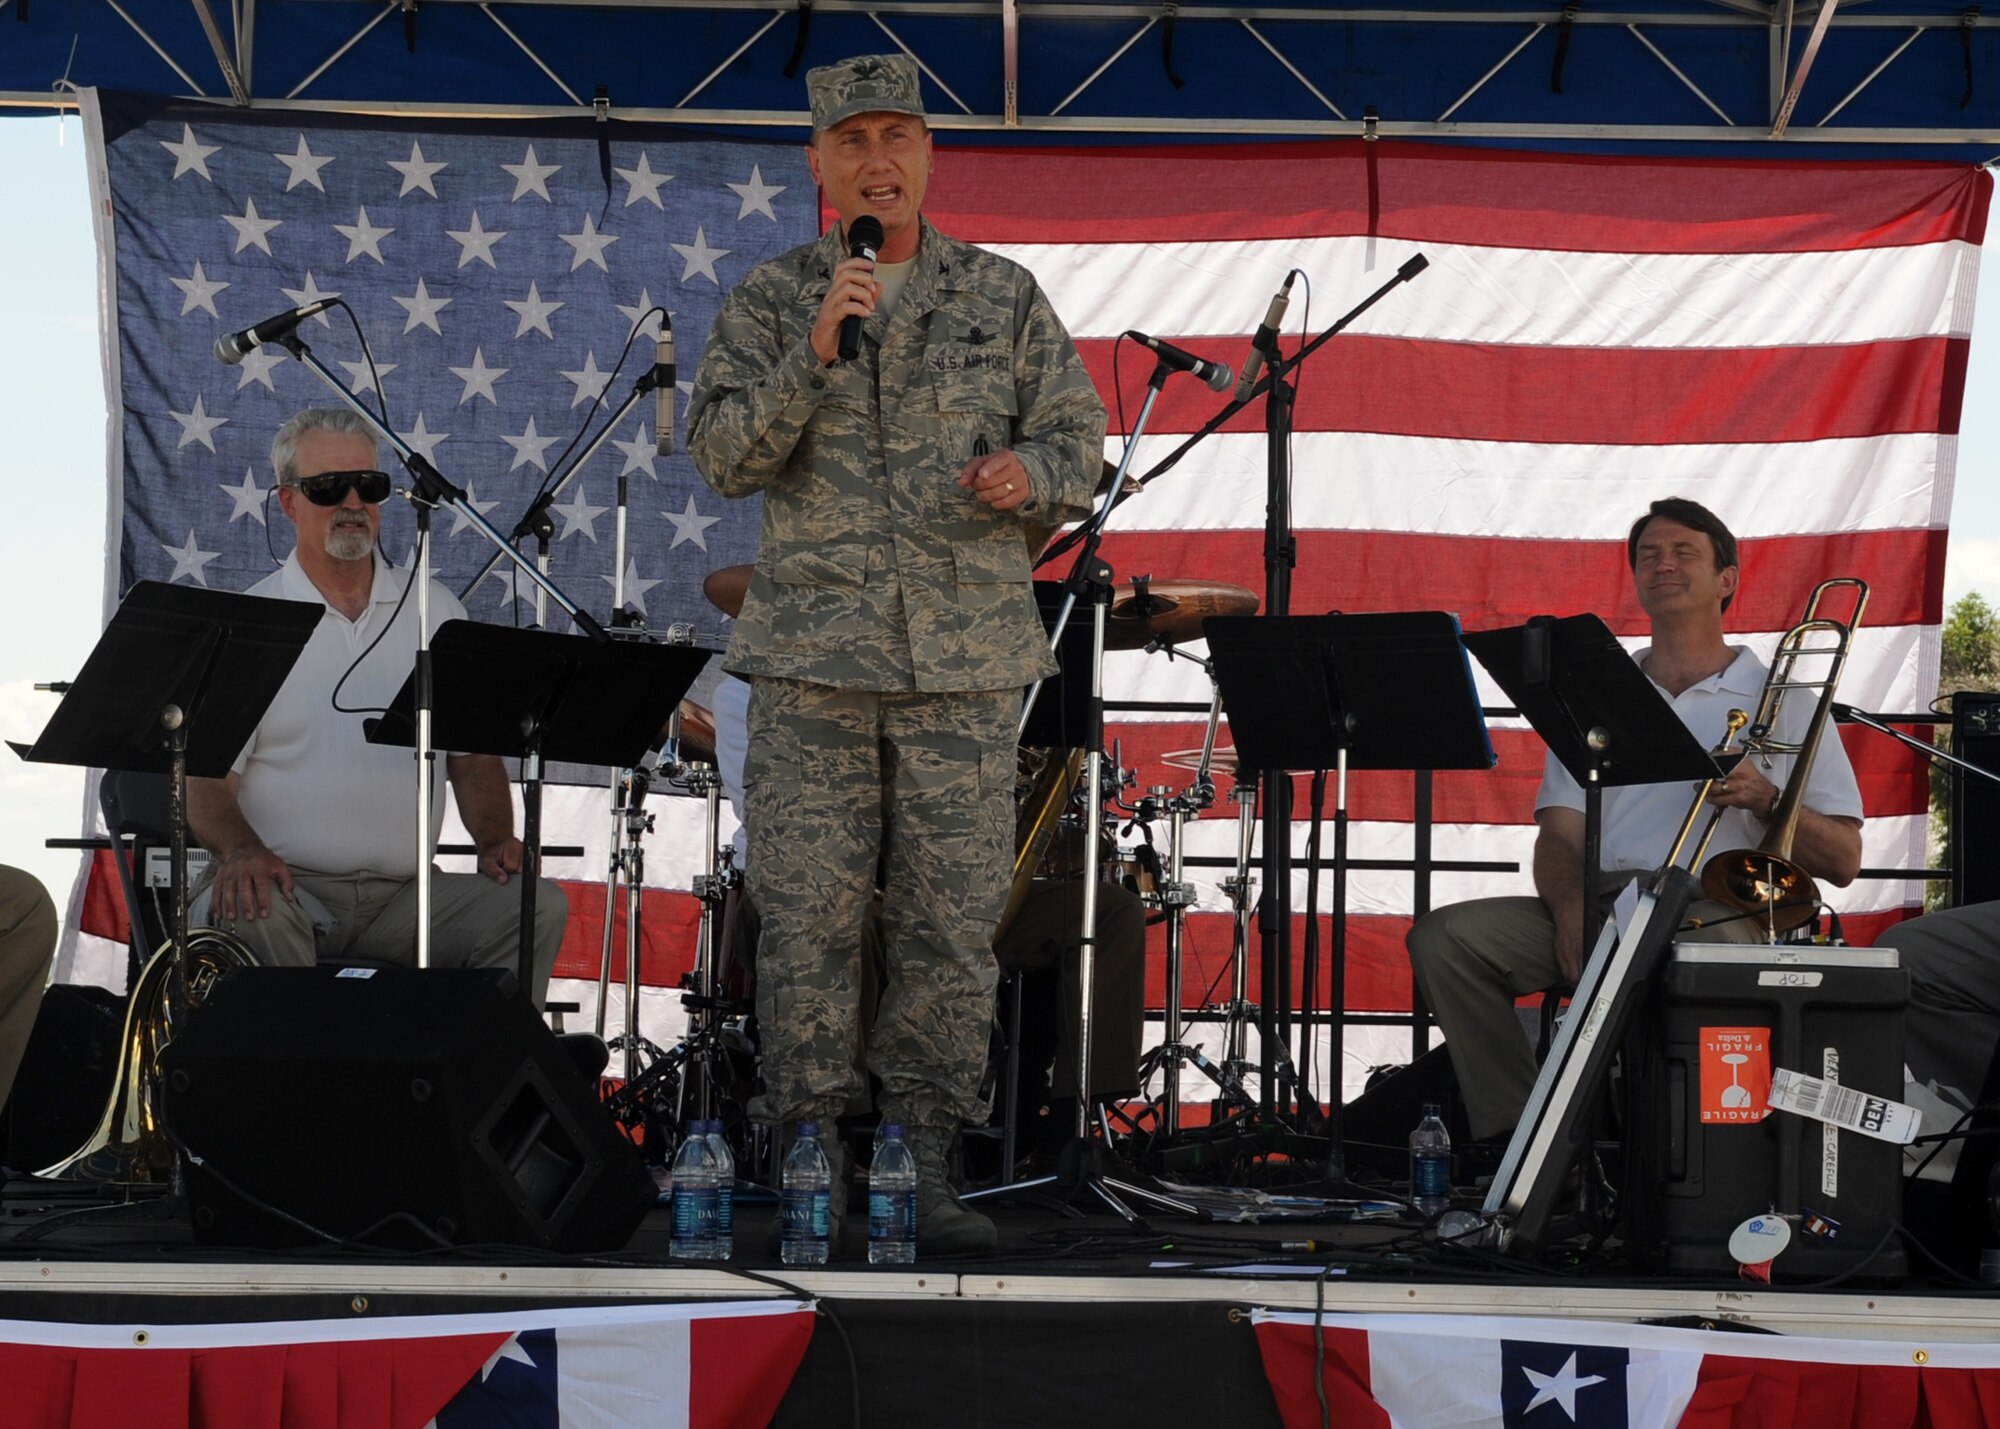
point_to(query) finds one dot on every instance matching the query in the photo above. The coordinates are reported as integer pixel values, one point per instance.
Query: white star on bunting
(422, 309)
(363, 237)
(700, 257)
(197, 425)
(588, 381)
(531, 176)
(251, 227)
(578, 515)
(302, 166)
(645, 309)
(198, 291)
(474, 242)
(417, 174)
(529, 448)
(360, 380)
(1559, 1388)
(643, 184)
(533, 313)
(589, 245)
(757, 195)
(639, 453)
(190, 157)
(459, 520)
(689, 524)
(257, 364)
(245, 500)
(635, 589)
(479, 378)
(190, 559)
(424, 443)
(308, 295)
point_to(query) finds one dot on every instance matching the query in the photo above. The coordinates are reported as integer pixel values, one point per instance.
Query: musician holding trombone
(1473, 960)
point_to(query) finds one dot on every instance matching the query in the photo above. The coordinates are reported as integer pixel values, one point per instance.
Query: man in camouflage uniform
(890, 625)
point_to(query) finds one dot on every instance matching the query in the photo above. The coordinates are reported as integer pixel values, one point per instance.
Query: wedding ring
(1008, 487)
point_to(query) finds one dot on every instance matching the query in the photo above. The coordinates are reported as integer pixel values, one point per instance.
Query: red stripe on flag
(668, 923)
(1494, 581)
(743, 1366)
(1620, 396)
(1425, 193)
(1292, 1359)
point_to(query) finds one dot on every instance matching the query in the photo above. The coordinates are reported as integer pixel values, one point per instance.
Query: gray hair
(285, 446)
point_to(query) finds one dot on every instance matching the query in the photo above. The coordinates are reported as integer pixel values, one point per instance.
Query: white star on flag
(689, 524)
(459, 520)
(359, 378)
(257, 364)
(1559, 1388)
(190, 559)
(510, 1349)
(245, 500)
(302, 166)
(643, 184)
(757, 196)
(589, 245)
(198, 291)
(363, 237)
(417, 174)
(422, 308)
(533, 312)
(479, 378)
(588, 381)
(190, 157)
(700, 257)
(474, 242)
(578, 515)
(424, 443)
(197, 425)
(635, 589)
(644, 315)
(529, 448)
(639, 453)
(251, 227)
(531, 176)
(308, 295)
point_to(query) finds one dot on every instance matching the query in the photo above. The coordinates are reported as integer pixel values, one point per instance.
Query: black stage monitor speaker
(1975, 814)
(392, 1106)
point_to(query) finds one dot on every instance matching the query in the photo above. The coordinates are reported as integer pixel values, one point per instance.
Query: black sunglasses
(330, 488)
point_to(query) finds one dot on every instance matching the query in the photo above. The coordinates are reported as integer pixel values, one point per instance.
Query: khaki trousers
(27, 944)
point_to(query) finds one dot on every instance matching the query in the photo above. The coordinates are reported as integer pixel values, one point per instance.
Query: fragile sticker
(1735, 1075)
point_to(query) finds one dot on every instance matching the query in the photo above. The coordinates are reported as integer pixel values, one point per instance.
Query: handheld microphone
(664, 377)
(1214, 374)
(1266, 340)
(864, 240)
(232, 348)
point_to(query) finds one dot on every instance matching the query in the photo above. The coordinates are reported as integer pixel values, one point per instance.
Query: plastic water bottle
(892, 1201)
(725, 1191)
(695, 1196)
(1430, 1164)
(805, 1199)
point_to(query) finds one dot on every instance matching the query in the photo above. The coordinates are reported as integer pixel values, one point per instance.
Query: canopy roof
(1847, 77)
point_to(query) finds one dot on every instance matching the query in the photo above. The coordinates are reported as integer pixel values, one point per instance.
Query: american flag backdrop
(1784, 342)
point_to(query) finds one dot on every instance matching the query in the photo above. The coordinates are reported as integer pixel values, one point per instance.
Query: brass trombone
(1767, 880)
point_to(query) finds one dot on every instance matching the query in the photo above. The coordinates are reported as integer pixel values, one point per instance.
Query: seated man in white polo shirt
(311, 834)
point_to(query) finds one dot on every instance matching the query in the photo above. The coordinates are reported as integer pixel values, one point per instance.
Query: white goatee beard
(349, 543)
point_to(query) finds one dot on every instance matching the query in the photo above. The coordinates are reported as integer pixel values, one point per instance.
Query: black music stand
(1600, 716)
(536, 696)
(176, 684)
(1342, 692)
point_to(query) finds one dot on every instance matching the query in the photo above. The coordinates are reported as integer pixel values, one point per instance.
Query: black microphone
(234, 347)
(1213, 373)
(1266, 340)
(663, 386)
(864, 238)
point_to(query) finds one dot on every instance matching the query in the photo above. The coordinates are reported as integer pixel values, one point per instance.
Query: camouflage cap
(865, 84)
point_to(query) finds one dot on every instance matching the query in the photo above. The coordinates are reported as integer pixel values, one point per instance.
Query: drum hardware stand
(430, 489)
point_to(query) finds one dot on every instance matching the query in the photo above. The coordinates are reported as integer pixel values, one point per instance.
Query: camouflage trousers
(843, 786)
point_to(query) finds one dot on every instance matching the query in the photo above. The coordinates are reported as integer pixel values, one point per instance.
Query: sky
(52, 405)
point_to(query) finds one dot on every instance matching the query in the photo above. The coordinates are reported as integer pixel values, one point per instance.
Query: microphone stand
(430, 489)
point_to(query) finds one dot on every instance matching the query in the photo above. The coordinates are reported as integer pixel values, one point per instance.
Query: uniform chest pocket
(987, 391)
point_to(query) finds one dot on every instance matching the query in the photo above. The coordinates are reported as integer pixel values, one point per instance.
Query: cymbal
(726, 588)
(1178, 609)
